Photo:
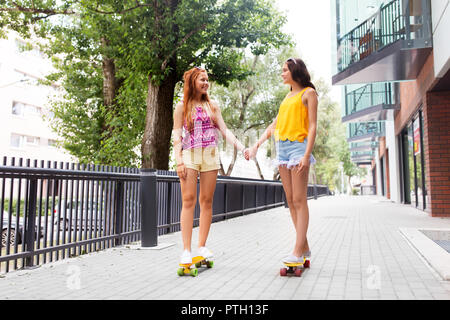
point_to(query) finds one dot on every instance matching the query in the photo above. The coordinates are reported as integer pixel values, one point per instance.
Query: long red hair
(190, 77)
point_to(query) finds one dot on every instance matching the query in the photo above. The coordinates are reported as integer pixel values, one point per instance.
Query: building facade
(392, 59)
(24, 104)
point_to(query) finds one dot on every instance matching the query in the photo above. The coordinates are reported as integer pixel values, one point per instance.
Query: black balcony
(392, 45)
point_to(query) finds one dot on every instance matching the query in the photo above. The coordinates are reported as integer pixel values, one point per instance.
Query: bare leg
(299, 196)
(285, 175)
(207, 187)
(189, 199)
(286, 178)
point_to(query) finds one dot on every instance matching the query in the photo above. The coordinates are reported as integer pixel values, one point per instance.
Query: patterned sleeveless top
(204, 133)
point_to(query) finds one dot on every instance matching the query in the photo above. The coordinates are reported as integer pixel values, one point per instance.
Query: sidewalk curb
(436, 256)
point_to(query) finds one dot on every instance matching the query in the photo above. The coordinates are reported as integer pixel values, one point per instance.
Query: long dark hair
(299, 72)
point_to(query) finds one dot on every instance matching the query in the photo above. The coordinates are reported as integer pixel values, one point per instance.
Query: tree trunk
(259, 169)
(155, 145)
(350, 188)
(221, 169)
(233, 161)
(276, 174)
(109, 81)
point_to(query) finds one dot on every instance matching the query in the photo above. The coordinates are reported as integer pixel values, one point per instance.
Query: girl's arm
(266, 135)
(311, 101)
(227, 134)
(177, 135)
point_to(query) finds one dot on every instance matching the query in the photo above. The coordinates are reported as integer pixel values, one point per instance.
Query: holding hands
(250, 153)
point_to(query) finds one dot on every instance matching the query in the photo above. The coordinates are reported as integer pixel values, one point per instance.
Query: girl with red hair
(196, 152)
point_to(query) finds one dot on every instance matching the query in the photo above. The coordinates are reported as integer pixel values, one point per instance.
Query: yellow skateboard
(198, 262)
(295, 268)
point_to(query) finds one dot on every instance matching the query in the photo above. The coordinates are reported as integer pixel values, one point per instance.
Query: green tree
(119, 62)
(251, 104)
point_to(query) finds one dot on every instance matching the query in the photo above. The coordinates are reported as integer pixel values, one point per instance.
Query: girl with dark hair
(294, 130)
(196, 152)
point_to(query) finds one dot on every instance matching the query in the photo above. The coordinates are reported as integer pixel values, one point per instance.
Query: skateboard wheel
(180, 272)
(198, 264)
(298, 272)
(210, 264)
(307, 264)
(194, 272)
(283, 272)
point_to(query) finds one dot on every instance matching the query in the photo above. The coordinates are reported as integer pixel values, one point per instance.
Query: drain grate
(445, 244)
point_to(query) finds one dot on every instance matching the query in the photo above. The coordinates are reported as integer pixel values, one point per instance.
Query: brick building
(392, 59)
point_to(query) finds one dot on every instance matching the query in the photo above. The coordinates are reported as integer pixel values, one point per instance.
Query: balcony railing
(360, 131)
(362, 155)
(363, 146)
(408, 21)
(369, 103)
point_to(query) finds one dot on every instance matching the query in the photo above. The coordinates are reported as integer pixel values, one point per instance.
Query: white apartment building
(24, 104)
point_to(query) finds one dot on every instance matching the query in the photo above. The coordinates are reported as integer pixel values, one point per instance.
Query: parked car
(12, 230)
(82, 216)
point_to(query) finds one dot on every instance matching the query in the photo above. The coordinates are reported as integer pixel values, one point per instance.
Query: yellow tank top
(292, 121)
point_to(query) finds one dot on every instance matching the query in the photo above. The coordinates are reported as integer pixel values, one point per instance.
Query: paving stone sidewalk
(357, 253)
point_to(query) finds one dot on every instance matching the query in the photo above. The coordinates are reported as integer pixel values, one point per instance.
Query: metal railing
(388, 25)
(363, 130)
(368, 96)
(52, 211)
(363, 146)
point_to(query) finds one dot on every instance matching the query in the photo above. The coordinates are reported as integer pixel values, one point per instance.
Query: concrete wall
(440, 11)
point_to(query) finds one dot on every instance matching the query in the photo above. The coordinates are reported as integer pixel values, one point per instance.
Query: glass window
(413, 163)
(51, 143)
(32, 110)
(34, 141)
(425, 194)
(411, 166)
(16, 140)
(418, 161)
(22, 109)
(17, 108)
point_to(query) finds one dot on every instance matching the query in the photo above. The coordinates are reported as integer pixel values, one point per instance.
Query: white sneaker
(205, 253)
(186, 257)
(292, 259)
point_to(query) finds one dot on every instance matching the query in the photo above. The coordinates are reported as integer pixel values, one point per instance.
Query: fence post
(243, 198)
(118, 197)
(225, 199)
(29, 234)
(149, 209)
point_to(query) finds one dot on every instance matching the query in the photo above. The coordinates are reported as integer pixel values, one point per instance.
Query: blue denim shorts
(289, 153)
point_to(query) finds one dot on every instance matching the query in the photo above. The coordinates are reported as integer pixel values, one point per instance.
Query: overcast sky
(310, 24)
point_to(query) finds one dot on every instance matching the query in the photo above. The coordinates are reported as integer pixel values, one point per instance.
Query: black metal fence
(51, 211)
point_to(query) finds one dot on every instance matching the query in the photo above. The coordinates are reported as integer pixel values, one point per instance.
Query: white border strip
(436, 256)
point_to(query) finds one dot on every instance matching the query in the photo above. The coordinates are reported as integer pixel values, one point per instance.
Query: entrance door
(412, 163)
(405, 163)
(383, 179)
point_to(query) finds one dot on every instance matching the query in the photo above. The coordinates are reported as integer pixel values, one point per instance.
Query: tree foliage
(119, 63)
